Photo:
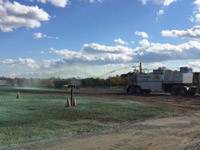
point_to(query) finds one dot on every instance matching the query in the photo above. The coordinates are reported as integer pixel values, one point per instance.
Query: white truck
(183, 82)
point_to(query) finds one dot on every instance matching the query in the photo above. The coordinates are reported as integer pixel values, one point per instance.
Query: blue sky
(86, 38)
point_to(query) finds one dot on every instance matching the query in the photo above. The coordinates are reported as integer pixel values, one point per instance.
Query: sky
(90, 38)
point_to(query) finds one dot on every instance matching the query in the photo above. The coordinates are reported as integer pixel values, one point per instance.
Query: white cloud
(144, 2)
(64, 3)
(15, 15)
(156, 64)
(194, 32)
(95, 55)
(42, 1)
(157, 52)
(39, 35)
(162, 2)
(92, 1)
(197, 17)
(144, 43)
(92, 54)
(197, 2)
(120, 41)
(195, 64)
(142, 34)
(191, 19)
(22, 67)
(95, 48)
(160, 13)
(27, 62)
(132, 42)
(196, 12)
(150, 66)
(57, 3)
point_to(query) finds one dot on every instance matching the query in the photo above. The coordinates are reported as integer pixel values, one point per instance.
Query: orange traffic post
(74, 102)
(68, 102)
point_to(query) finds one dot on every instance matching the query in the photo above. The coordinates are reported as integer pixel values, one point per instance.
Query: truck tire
(183, 91)
(174, 91)
(139, 90)
(131, 90)
(128, 90)
(192, 91)
(147, 91)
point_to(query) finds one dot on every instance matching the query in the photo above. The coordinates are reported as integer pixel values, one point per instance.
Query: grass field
(39, 116)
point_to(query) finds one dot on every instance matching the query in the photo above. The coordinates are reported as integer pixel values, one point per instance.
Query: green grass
(36, 117)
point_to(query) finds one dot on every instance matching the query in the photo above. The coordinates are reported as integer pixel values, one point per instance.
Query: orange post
(74, 102)
(68, 102)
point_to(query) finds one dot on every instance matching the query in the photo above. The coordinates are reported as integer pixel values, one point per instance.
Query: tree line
(60, 83)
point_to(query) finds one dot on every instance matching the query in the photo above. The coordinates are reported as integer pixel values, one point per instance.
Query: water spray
(113, 71)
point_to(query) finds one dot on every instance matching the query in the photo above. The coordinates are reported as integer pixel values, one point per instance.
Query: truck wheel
(183, 91)
(174, 91)
(192, 91)
(147, 91)
(139, 90)
(131, 90)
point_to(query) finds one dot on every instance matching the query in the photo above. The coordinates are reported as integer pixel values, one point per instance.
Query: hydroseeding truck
(182, 82)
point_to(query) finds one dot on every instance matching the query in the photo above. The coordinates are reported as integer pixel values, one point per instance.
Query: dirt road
(178, 133)
(174, 133)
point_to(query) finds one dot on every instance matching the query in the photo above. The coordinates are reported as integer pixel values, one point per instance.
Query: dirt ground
(174, 133)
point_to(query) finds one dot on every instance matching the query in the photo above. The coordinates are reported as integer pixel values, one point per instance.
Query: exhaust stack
(140, 67)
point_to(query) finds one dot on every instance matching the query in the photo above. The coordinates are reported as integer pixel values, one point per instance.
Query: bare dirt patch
(179, 103)
(176, 133)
